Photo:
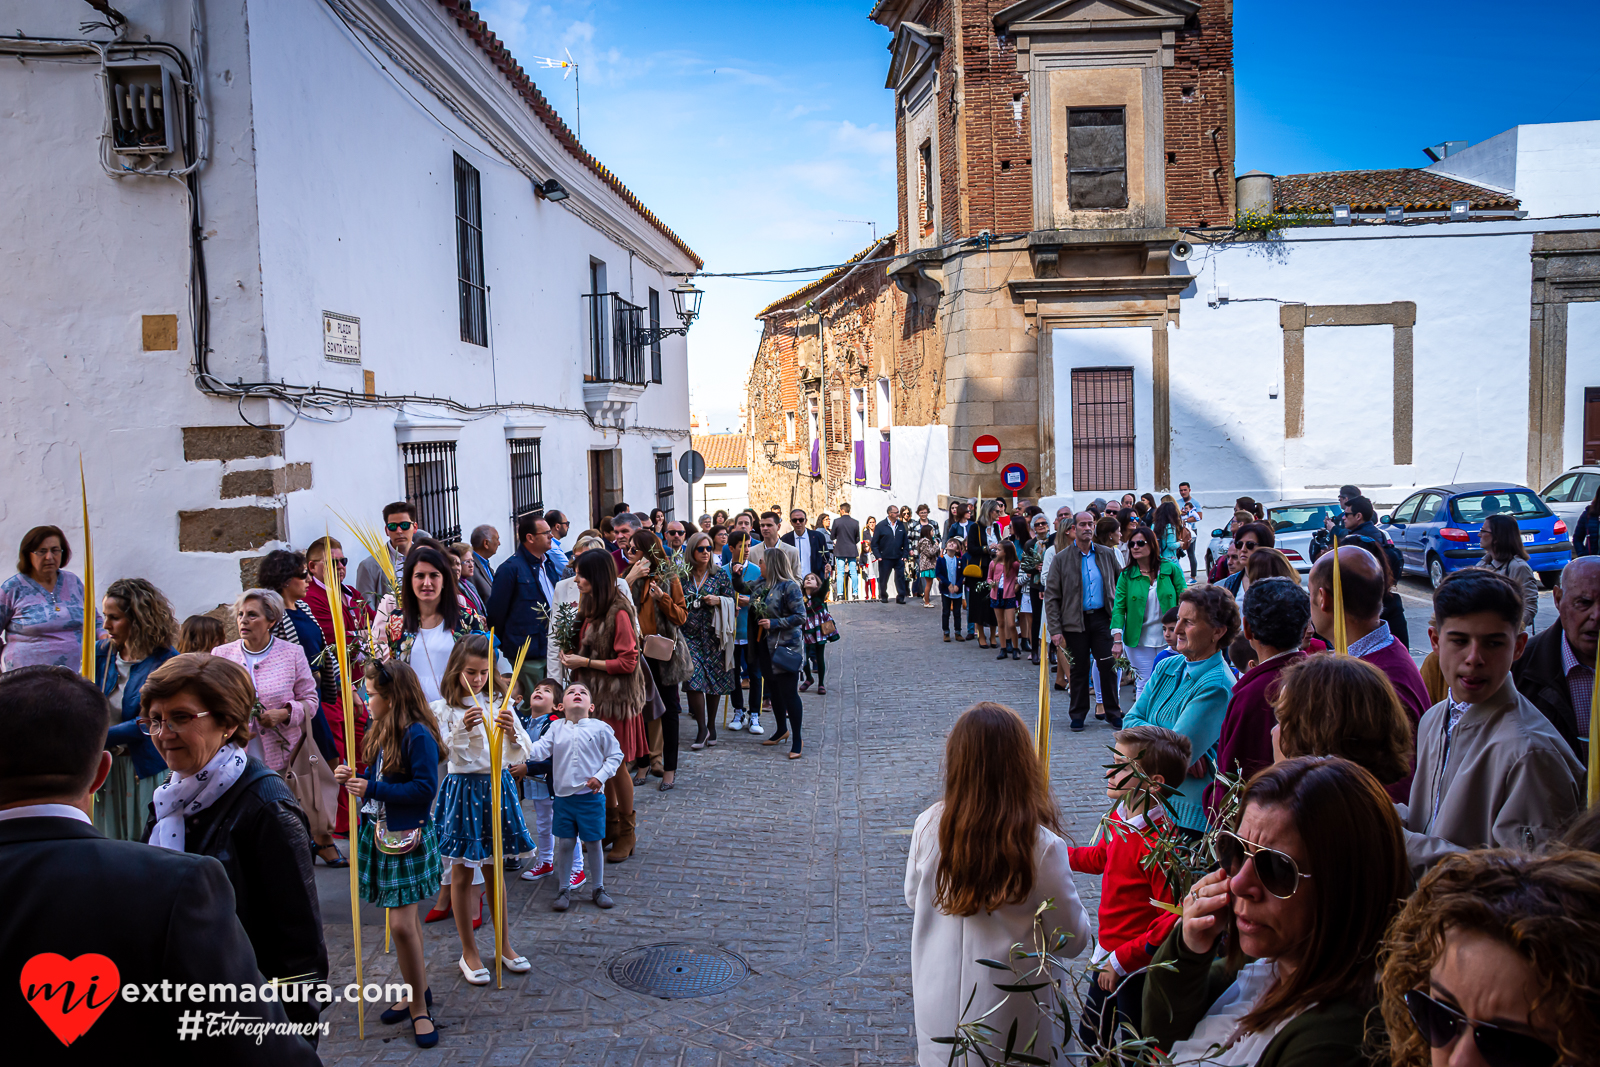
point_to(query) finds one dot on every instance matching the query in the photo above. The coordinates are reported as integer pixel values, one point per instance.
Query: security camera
(1181, 250)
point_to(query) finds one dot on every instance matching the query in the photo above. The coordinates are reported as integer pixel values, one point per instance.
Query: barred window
(431, 488)
(664, 483)
(527, 478)
(469, 255)
(1102, 429)
(1097, 158)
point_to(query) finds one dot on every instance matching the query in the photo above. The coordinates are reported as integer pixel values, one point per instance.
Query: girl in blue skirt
(397, 842)
(466, 825)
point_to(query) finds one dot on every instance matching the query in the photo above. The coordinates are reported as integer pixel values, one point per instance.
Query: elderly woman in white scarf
(221, 802)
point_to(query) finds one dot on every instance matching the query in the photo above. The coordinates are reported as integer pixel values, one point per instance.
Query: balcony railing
(615, 352)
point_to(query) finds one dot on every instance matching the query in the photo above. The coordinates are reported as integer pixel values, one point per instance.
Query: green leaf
(1028, 988)
(997, 965)
(1011, 1037)
(942, 1040)
(1023, 1057)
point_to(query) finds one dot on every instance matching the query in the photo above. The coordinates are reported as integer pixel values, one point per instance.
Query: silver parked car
(1293, 523)
(1569, 494)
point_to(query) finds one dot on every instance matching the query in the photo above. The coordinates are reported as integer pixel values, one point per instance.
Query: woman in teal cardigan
(1310, 879)
(1136, 617)
(1189, 692)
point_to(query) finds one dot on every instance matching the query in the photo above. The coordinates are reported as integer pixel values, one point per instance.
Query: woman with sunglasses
(708, 596)
(1493, 962)
(1147, 589)
(1306, 887)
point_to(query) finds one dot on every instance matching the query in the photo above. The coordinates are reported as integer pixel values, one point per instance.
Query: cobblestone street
(796, 866)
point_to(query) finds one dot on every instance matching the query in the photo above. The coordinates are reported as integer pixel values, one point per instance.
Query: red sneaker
(538, 872)
(578, 879)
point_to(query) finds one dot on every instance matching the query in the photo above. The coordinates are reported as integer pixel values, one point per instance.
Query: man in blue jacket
(519, 603)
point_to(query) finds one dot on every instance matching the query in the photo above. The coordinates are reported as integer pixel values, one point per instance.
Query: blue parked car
(1436, 529)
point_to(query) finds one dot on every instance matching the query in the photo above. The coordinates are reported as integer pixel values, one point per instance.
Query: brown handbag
(659, 648)
(311, 780)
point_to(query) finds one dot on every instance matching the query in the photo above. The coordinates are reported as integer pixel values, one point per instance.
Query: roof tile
(1374, 190)
(722, 451)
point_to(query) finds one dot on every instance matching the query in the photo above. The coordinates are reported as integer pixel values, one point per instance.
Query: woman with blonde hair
(983, 859)
(142, 631)
(1344, 706)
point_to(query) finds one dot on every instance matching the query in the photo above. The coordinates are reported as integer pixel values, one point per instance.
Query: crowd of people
(1309, 857)
(548, 685)
(1300, 843)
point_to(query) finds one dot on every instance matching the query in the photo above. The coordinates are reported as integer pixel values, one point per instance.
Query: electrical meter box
(142, 106)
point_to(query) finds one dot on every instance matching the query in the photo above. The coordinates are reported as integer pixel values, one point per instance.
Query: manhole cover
(673, 971)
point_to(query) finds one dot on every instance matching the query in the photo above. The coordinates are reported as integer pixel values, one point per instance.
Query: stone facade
(829, 354)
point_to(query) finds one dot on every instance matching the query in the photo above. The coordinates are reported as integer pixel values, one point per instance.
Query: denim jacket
(125, 731)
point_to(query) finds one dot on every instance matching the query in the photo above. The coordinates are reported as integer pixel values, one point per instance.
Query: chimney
(1253, 192)
(1443, 150)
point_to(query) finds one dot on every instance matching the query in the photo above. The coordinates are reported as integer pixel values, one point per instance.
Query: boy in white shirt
(583, 753)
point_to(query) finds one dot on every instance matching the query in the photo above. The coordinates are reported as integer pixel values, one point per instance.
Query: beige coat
(945, 948)
(1063, 587)
(1508, 780)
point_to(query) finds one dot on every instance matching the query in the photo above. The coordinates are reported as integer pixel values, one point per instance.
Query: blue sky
(753, 128)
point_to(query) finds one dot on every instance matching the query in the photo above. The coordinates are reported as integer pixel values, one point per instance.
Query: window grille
(431, 488)
(615, 354)
(469, 255)
(1102, 429)
(664, 483)
(527, 478)
(1097, 158)
(655, 345)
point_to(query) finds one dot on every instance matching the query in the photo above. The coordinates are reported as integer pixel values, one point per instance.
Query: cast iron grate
(676, 970)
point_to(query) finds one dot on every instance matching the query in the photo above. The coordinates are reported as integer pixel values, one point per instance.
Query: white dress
(945, 948)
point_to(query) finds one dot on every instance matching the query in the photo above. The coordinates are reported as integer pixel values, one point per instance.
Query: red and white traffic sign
(1015, 476)
(986, 448)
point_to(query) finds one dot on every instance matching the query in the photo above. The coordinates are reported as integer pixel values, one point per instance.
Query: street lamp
(686, 302)
(770, 447)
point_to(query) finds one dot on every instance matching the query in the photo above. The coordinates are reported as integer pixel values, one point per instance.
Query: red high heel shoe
(436, 916)
(477, 922)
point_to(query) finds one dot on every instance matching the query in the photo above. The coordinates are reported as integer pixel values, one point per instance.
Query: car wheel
(1435, 570)
(1549, 579)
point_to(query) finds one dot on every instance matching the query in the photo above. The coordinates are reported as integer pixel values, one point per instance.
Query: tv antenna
(569, 66)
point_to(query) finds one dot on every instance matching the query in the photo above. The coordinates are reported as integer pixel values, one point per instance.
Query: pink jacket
(283, 679)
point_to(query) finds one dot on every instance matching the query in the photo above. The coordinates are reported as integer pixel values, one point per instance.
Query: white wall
(1583, 370)
(725, 489)
(1553, 167)
(84, 256)
(359, 211)
(1116, 346)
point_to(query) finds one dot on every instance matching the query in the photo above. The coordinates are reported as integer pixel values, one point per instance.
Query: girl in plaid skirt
(396, 842)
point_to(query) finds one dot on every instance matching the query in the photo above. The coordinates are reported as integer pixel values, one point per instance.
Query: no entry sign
(986, 448)
(1014, 475)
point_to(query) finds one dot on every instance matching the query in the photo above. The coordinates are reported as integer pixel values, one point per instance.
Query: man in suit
(812, 546)
(485, 542)
(170, 930)
(1556, 669)
(889, 545)
(846, 554)
(1078, 597)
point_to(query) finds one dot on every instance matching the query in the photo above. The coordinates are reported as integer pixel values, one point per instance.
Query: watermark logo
(69, 995)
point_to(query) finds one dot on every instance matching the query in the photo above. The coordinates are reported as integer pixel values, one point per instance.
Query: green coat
(1133, 594)
(1326, 1035)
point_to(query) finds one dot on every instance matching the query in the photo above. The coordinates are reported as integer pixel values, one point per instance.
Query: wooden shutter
(1097, 158)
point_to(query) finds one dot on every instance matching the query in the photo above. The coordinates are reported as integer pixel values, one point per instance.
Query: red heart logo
(70, 995)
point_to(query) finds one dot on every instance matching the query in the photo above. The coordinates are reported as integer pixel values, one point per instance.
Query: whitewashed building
(266, 257)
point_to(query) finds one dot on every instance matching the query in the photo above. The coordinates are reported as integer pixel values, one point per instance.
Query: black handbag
(786, 660)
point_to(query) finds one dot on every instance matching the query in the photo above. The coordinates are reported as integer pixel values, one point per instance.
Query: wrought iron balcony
(616, 353)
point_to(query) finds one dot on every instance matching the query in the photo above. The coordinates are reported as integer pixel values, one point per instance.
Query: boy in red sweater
(1131, 928)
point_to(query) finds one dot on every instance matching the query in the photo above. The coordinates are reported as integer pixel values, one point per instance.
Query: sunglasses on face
(395, 526)
(1138, 544)
(1276, 871)
(701, 548)
(1248, 546)
(1441, 1025)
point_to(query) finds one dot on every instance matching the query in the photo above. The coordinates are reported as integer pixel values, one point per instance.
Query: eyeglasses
(393, 526)
(303, 576)
(176, 723)
(1441, 1025)
(1138, 544)
(701, 548)
(1277, 871)
(1248, 546)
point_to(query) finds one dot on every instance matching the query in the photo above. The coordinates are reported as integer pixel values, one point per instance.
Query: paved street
(796, 866)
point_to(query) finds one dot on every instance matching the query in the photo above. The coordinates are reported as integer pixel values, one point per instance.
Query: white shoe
(740, 718)
(480, 976)
(520, 965)
(755, 725)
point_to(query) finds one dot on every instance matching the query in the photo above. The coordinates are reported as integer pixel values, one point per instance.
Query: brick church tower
(1050, 152)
